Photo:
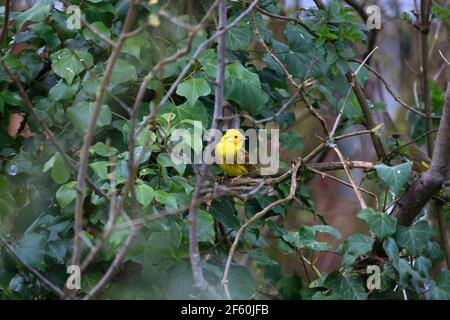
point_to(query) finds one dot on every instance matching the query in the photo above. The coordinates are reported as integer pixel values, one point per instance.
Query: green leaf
(31, 248)
(208, 60)
(60, 170)
(441, 289)
(133, 45)
(238, 37)
(356, 245)
(187, 111)
(327, 229)
(193, 88)
(423, 266)
(205, 227)
(68, 63)
(240, 283)
(414, 238)
(79, 115)
(395, 177)
(100, 168)
(291, 141)
(123, 72)
(103, 150)
(347, 287)
(7, 202)
(244, 87)
(164, 159)
(37, 13)
(167, 199)
(305, 237)
(391, 249)
(66, 194)
(63, 91)
(144, 194)
(380, 224)
(100, 26)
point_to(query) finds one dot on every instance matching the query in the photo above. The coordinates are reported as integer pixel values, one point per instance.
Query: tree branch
(258, 215)
(194, 253)
(84, 157)
(417, 196)
(36, 273)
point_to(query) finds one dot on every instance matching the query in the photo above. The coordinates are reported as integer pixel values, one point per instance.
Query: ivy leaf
(60, 171)
(79, 115)
(347, 287)
(394, 177)
(205, 227)
(414, 238)
(380, 224)
(31, 248)
(63, 91)
(187, 111)
(208, 60)
(123, 72)
(100, 26)
(66, 194)
(291, 141)
(244, 87)
(103, 150)
(391, 249)
(68, 63)
(238, 37)
(164, 160)
(144, 194)
(356, 245)
(100, 168)
(423, 266)
(193, 88)
(133, 45)
(166, 198)
(441, 289)
(241, 283)
(327, 229)
(37, 13)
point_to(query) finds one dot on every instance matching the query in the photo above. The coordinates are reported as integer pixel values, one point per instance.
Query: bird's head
(234, 136)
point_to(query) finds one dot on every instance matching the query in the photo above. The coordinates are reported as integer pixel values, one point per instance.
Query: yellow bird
(232, 147)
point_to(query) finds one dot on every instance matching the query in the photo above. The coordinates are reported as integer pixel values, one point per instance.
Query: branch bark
(84, 161)
(417, 196)
(425, 7)
(194, 253)
(36, 273)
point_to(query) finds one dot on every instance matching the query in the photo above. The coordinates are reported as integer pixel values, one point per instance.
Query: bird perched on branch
(232, 147)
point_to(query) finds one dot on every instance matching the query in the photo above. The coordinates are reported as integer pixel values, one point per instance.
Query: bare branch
(257, 216)
(36, 273)
(84, 157)
(417, 196)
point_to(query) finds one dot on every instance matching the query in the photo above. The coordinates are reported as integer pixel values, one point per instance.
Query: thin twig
(392, 93)
(84, 157)
(323, 174)
(257, 216)
(36, 273)
(362, 203)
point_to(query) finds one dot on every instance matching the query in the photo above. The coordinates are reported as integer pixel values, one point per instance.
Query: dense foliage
(61, 70)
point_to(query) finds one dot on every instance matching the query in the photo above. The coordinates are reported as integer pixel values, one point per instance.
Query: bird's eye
(235, 137)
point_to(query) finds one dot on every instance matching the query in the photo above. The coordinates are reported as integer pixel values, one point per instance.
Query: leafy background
(299, 250)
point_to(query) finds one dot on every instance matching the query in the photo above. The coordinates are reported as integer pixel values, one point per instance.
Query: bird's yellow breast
(228, 150)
